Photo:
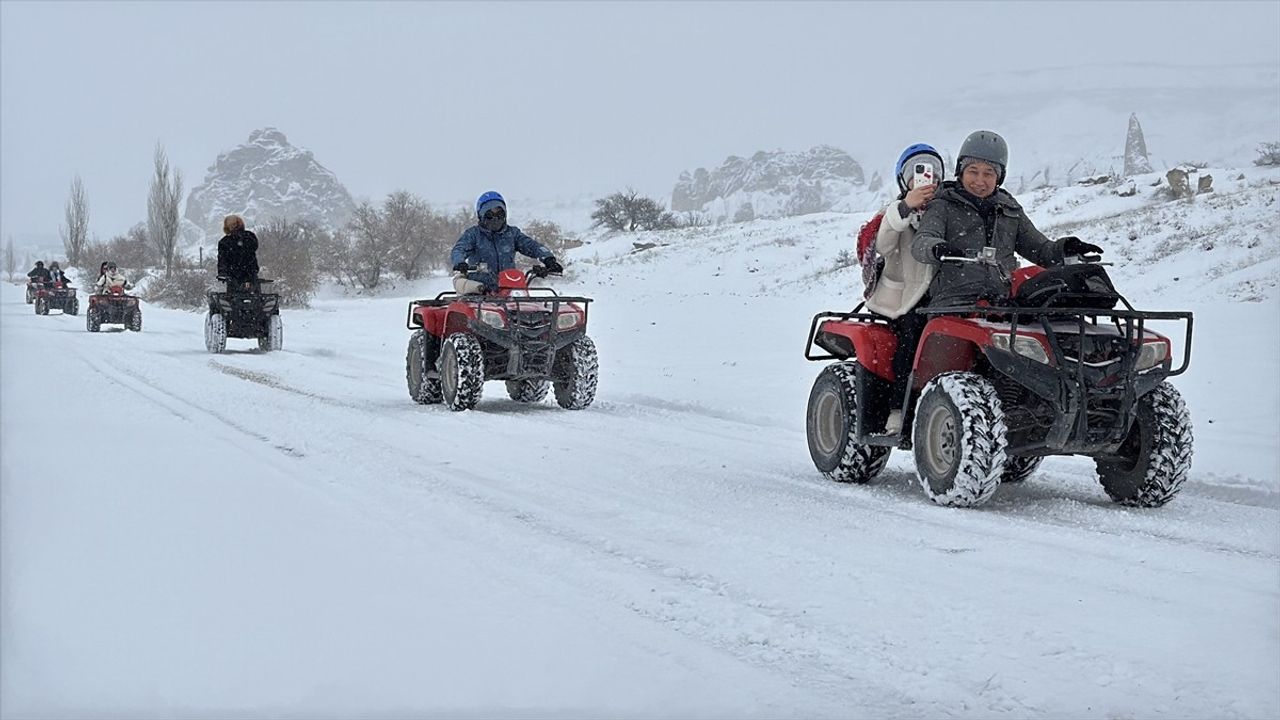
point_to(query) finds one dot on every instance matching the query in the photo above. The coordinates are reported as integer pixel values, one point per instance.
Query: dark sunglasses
(494, 213)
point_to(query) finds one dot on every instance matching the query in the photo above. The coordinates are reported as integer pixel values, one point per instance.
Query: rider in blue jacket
(490, 247)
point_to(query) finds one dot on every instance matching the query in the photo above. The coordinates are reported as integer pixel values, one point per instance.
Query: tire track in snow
(153, 393)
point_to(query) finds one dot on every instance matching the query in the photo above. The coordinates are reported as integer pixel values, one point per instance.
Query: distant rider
(39, 275)
(238, 254)
(493, 244)
(111, 277)
(56, 275)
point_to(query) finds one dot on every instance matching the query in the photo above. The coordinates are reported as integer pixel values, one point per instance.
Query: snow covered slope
(288, 534)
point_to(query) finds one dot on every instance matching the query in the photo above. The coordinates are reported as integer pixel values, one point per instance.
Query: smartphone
(924, 175)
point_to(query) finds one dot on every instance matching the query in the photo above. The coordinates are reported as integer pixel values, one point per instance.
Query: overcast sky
(534, 99)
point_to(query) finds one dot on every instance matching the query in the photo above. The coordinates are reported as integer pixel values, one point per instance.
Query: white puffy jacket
(904, 280)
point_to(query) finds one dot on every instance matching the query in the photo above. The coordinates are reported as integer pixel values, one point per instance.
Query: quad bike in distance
(1058, 370)
(243, 311)
(54, 296)
(529, 337)
(113, 307)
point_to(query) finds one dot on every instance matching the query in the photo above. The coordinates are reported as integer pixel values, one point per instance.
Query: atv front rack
(544, 295)
(1131, 322)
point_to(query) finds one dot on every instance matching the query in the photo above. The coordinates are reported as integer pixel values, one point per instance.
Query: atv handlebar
(538, 271)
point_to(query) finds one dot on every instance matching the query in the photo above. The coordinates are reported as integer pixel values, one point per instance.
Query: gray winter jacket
(954, 218)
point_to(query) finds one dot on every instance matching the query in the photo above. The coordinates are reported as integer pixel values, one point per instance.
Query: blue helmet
(490, 197)
(911, 152)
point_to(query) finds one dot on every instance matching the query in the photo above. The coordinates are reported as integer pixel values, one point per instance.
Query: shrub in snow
(1268, 154)
(628, 211)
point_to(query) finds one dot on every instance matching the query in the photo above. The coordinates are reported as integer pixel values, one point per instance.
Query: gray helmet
(986, 146)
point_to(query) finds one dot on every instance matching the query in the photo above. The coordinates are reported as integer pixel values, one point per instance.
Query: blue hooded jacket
(497, 250)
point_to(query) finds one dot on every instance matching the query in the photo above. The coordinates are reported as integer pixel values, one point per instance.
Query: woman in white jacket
(904, 281)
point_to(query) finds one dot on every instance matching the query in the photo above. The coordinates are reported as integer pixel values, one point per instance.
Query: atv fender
(873, 344)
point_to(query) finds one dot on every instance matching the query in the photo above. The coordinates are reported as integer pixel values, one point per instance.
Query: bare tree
(370, 251)
(1268, 154)
(10, 261)
(629, 211)
(75, 231)
(287, 249)
(162, 208)
(550, 234)
(407, 223)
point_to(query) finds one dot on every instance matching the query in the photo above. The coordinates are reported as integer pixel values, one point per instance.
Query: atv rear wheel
(959, 439)
(92, 321)
(1019, 467)
(424, 351)
(528, 391)
(215, 333)
(575, 374)
(1155, 457)
(461, 371)
(134, 320)
(31, 296)
(275, 335)
(830, 424)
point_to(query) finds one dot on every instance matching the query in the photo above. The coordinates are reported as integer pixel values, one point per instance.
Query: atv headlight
(493, 317)
(568, 320)
(1152, 354)
(1023, 345)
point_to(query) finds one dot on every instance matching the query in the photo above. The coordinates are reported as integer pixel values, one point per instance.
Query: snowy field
(287, 534)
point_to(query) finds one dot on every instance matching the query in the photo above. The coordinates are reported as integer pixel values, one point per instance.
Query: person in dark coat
(56, 275)
(493, 244)
(39, 274)
(238, 254)
(974, 212)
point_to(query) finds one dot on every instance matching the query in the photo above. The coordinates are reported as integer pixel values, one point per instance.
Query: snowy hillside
(288, 534)
(267, 177)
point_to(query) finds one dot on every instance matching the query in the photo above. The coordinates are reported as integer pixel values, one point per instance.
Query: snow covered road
(287, 533)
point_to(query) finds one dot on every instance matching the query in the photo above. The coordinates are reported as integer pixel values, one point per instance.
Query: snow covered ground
(287, 534)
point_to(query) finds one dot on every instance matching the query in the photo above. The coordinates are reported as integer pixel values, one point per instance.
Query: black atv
(243, 311)
(1057, 369)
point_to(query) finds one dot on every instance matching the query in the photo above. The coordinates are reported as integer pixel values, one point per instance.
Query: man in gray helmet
(973, 212)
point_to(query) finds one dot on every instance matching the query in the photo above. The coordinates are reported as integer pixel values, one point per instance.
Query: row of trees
(403, 236)
(152, 242)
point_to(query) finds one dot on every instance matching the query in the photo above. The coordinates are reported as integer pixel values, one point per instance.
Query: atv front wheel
(73, 308)
(1019, 467)
(959, 439)
(461, 371)
(275, 335)
(420, 360)
(42, 306)
(832, 431)
(92, 321)
(528, 391)
(575, 374)
(1153, 461)
(215, 333)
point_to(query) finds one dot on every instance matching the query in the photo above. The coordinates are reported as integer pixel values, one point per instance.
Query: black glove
(1072, 245)
(461, 267)
(552, 265)
(945, 250)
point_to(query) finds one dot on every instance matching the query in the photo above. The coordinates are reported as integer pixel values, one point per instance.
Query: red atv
(54, 296)
(531, 338)
(113, 307)
(1057, 370)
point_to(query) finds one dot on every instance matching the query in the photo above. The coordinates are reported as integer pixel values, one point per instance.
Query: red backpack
(871, 263)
